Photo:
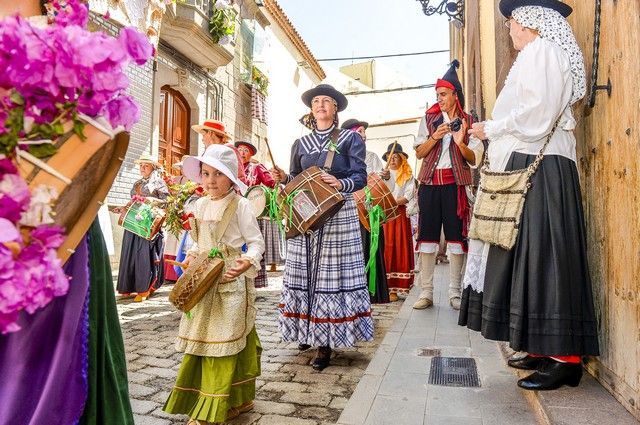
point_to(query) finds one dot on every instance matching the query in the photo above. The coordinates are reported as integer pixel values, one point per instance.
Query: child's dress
(218, 336)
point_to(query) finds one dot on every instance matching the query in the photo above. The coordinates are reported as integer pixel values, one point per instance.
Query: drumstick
(393, 149)
(177, 263)
(266, 141)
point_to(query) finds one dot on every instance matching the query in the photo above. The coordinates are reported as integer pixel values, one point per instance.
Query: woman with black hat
(537, 295)
(325, 302)
(398, 249)
(257, 174)
(374, 165)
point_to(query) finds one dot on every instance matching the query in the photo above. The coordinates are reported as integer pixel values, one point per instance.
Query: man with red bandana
(447, 157)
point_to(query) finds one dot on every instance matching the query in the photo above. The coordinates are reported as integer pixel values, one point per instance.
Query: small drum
(200, 277)
(88, 168)
(258, 197)
(142, 219)
(380, 195)
(306, 202)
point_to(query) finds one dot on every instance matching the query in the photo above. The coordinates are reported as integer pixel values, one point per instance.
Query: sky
(351, 28)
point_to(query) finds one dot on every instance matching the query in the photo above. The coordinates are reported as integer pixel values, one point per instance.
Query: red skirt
(398, 253)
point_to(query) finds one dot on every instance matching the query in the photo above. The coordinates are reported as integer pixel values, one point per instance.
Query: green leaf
(58, 128)
(42, 151)
(78, 128)
(17, 98)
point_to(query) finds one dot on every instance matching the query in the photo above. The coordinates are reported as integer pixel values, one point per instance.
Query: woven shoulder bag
(497, 212)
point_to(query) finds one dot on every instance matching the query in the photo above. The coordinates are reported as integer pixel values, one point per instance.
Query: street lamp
(454, 9)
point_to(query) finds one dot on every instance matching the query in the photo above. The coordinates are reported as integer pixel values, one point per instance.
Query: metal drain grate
(454, 372)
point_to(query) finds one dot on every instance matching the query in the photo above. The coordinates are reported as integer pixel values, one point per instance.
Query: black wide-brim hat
(350, 123)
(247, 144)
(508, 6)
(397, 150)
(325, 90)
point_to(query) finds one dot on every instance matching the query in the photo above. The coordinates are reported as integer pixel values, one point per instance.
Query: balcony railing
(188, 31)
(203, 6)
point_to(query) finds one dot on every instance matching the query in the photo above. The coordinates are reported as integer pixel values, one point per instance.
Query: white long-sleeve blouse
(537, 90)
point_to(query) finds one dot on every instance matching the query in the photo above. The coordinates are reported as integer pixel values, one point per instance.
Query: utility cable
(424, 86)
(384, 56)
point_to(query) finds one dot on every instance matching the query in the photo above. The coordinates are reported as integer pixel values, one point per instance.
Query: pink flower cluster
(31, 273)
(65, 64)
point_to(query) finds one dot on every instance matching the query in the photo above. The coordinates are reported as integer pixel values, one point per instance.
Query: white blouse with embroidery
(537, 91)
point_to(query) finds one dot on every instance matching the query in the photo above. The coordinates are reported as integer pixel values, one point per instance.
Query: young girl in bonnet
(216, 380)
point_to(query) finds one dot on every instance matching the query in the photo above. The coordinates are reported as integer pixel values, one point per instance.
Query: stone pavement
(395, 390)
(289, 391)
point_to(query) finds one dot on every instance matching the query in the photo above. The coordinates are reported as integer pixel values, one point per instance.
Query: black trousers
(439, 209)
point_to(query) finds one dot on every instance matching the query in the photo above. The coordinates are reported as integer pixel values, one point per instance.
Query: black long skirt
(538, 295)
(382, 289)
(141, 264)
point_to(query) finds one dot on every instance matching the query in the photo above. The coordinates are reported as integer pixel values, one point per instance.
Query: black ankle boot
(322, 359)
(552, 375)
(303, 347)
(526, 363)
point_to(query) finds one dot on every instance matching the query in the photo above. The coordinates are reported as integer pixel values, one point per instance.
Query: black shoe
(303, 347)
(526, 363)
(552, 375)
(322, 360)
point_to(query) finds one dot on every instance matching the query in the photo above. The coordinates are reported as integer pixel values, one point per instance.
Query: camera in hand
(456, 124)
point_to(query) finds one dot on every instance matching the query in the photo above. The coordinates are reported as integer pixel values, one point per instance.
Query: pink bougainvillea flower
(136, 44)
(124, 111)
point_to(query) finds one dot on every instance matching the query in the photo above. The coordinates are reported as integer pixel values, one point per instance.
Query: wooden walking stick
(393, 149)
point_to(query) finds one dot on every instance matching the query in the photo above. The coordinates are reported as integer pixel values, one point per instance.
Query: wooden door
(175, 116)
(608, 145)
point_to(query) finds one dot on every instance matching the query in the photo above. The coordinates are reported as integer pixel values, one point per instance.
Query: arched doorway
(175, 116)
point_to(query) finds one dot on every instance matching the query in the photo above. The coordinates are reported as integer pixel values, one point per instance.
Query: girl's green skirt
(207, 387)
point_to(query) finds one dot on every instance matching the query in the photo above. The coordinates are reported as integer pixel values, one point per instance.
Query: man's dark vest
(461, 169)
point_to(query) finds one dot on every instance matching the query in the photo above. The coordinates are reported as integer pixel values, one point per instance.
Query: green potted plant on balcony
(259, 80)
(222, 24)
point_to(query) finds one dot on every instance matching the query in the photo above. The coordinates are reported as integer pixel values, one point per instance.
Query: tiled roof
(283, 21)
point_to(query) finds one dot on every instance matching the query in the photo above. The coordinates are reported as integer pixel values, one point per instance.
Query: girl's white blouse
(243, 229)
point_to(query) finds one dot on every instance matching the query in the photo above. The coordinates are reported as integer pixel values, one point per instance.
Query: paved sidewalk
(395, 390)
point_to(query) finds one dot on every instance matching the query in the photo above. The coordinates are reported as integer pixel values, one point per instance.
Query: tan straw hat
(146, 158)
(212, 125)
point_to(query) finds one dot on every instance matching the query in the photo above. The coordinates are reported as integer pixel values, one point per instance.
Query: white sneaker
(455, 303)
(423, 303)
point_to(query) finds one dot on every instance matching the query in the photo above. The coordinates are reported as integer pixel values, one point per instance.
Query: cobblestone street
(289, 391)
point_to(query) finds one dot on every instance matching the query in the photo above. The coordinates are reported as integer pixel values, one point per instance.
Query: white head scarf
(553, 26)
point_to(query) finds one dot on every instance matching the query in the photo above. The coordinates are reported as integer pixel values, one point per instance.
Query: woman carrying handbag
(527, 278)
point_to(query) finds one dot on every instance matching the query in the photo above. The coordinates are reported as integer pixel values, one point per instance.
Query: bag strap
(330, 152)
(533, 167)
(221, 228)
